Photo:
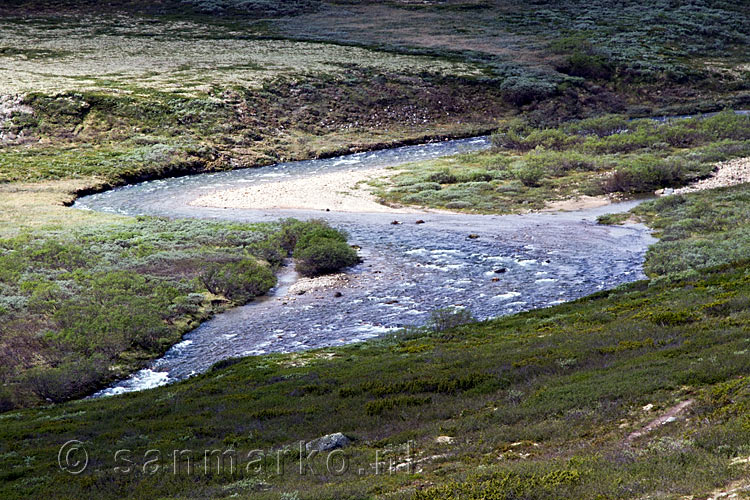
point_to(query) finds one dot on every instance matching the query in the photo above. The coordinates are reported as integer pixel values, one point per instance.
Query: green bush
(475, 176)
(530, 175)
(600, 126)
(512, 135)
(321, 249)
(6, 400)
(649, 173)
(423, 186)
(324, 256)
(591, 66)
(444, 176)
(559, 163)
(72, 378)
(520, 90)
(239, 281)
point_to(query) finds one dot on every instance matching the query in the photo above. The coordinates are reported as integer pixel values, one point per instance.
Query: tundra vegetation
(530, 166)
(538, 405)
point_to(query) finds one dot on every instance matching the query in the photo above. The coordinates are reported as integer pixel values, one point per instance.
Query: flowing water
(517, 262)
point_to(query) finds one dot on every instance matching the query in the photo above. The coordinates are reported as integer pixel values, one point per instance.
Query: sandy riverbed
(344, 191)
(349, 191)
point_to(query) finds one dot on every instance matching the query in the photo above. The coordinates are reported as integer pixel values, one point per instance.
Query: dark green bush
(324, 256)
(239, 281)
(321, 249)
(592, 66)
(530, 175)
(474, 176)
(600, 126)
(6, 400)
(512, 135)
(520, 90)
(72, 378)
(444, 176)
(644, 176)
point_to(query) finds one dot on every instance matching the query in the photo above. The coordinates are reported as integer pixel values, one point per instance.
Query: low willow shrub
(323, 250)
(240, 281)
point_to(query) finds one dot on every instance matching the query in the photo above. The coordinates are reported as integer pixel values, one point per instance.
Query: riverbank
(579, 164)
(728, 173)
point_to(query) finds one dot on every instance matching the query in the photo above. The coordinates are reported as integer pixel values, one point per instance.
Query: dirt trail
(667, 417)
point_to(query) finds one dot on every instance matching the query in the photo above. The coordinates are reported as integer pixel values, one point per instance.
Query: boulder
(328, 442)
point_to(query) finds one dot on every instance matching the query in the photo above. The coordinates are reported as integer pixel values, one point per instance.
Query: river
(515, 263)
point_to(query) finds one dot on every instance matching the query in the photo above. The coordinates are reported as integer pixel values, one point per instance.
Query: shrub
(591, 66)
(6, 400)
(520, 90)
(530, 175)
(600, 126)
(475, 176)
(269, 250)
(558, 163)
(73, 378)
(550, 138)
(443, 176)
(292, 230)
(449, 317)
(420, 198)
(240, 281)
(321, 249)
(646, 174)
(324, 256)
(423, 186)
(319, 232)
(512, 136)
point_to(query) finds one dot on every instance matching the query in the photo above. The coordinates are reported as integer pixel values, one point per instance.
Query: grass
(538, 404)
(532, 166)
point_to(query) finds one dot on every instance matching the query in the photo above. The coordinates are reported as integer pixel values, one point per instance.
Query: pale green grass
(120, 53)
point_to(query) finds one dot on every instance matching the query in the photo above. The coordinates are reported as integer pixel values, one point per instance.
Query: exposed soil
(667, 417)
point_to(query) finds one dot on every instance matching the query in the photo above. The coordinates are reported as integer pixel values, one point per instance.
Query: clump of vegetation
(322, 250)
(697, 230)
(450, 317)
(239, 281)
(531, 165)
